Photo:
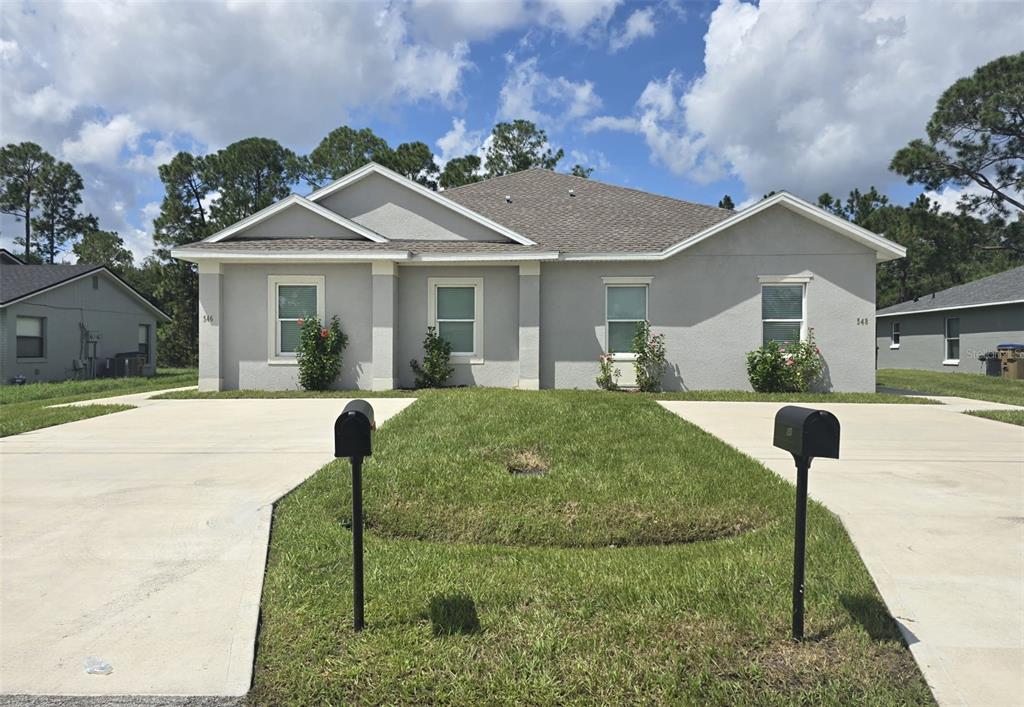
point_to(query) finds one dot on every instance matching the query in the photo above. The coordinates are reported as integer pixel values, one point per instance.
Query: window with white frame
(291, 299)
(952, 340)
(455, 307)
(30, 332)
(144, 341)
(782, 313)
(894, 338)
(625, 307)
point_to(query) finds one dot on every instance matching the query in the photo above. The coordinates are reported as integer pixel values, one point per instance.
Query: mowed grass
(649, 563)
(964, 385)
(269, 394)
(752, 397)
(26, 407)
(1013, 417)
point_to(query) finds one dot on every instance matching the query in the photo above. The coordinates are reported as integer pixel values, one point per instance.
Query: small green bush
(793, 367)
(650, 358)
(437, 353)
(608, 374)
(319, 353)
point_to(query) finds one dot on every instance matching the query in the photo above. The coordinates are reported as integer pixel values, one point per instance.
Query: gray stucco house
(531, 277)
(66, 321)
(949, 330)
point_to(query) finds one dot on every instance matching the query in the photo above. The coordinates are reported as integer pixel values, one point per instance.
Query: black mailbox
(807, 433)
(352, 430)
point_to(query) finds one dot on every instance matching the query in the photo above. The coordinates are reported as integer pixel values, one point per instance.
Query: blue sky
(693, 100)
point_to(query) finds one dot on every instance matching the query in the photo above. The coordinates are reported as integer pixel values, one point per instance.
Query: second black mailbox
(807, 433)
(352, 430)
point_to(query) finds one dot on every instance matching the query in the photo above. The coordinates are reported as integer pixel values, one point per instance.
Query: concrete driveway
(934, 501)
(140, 538)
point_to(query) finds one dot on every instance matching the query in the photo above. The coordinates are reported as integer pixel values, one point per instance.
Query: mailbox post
(353, 439)
(805, 434)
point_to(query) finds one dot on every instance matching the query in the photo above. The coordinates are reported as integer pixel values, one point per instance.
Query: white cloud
(46, 104)
(640, 24)
(458, 142)
(815, 97)
(442, 21)
(595, 159)
(102, 143)
(532, 95)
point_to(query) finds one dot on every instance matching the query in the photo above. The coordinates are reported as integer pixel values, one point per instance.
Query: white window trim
(609, 283)
(46, 342)
(477, 283)
(893, 344)
(274, 357)
(945, 343)
(773, 281)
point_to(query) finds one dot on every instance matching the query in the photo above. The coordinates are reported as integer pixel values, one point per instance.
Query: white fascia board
(99, 269)
(455, 258)
(295, 200)
(195, 256)
(374, 168)
(948, 309)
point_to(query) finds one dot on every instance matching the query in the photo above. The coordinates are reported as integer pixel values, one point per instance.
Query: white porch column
(529, 325)
(385, 280)
(211, 281)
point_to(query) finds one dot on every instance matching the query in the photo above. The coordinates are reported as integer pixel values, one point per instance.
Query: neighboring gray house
(948, 330)
(531, 277)
(65, 321)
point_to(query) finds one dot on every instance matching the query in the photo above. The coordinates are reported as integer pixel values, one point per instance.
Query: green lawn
(564, 547)
(964, 385)
(750, 397)
(1014, 417)
(25, 407)
(717, 395)
(238, 394)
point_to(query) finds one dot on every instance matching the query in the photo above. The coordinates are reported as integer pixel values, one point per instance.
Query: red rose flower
(300, 322)
(323, 333)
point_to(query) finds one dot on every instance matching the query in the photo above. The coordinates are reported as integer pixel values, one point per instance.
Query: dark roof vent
(508, 198)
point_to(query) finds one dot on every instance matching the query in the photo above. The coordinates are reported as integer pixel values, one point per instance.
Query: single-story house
(531, 277)
(71, 321)
(949, 330)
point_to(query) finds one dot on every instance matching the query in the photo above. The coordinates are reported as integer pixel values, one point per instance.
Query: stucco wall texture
(706, 300)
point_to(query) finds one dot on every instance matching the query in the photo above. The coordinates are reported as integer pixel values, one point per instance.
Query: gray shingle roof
(1006, 286)
(598, 218)
(338, 245)
(17, 281)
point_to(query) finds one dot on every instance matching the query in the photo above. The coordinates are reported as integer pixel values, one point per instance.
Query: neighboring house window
(625, 307)
(952, 340)
(894, 339)
(30, 333)
(144, 340)
(291, 298)
(782, 313)
(455, 307)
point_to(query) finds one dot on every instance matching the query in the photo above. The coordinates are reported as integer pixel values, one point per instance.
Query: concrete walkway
(934, 501)
(140, 538)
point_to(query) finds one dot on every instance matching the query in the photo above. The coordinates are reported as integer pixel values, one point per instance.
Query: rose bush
(319, 352)
(790, 367)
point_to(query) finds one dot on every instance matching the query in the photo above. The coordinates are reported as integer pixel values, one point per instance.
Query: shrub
(793, 367)
(319, 353)
(608, 374)
(650, 358)
(435, 370)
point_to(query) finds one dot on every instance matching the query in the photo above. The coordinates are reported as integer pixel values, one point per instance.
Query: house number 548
(862, 321)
